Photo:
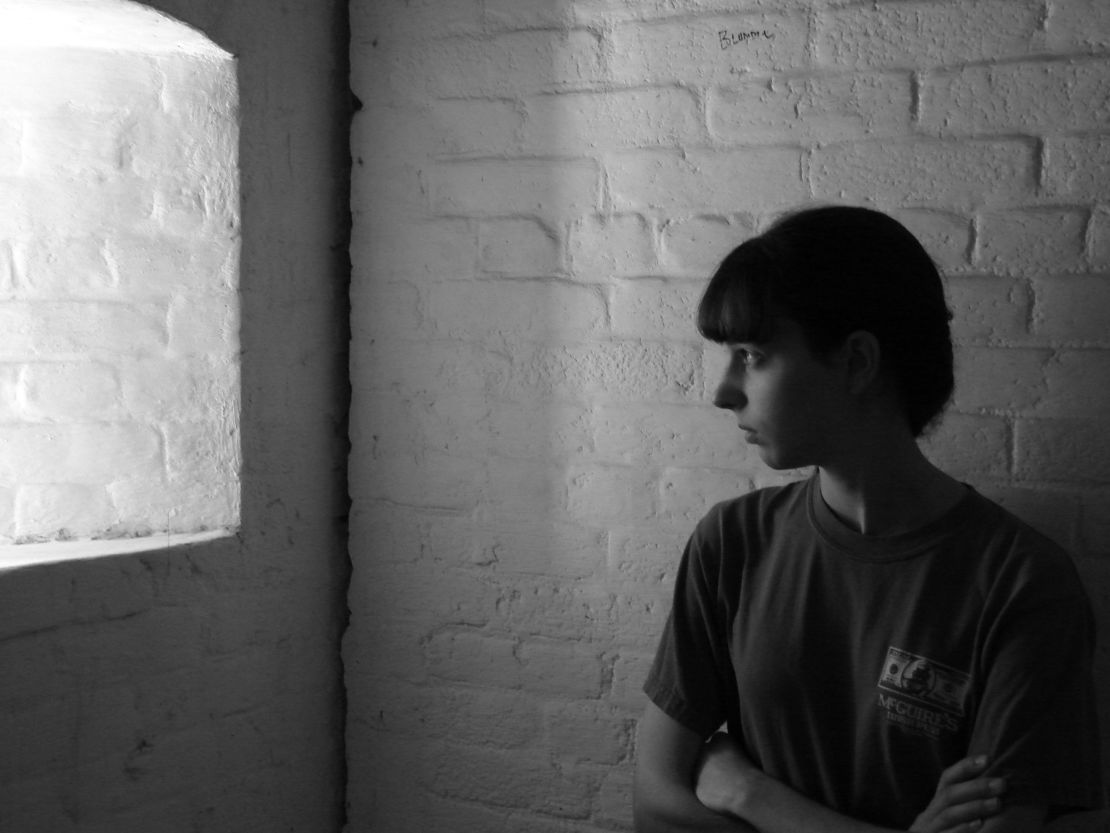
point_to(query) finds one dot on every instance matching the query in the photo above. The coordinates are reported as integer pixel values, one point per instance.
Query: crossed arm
(686, 786)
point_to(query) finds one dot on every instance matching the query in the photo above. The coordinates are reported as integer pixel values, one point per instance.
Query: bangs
(734, 308)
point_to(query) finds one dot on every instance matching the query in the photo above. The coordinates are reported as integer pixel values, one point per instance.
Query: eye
(745, 356)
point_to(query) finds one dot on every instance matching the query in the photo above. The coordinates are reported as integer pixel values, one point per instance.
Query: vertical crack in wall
(347, 104)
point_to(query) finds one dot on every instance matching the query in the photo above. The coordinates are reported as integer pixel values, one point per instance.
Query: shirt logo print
(921, 695)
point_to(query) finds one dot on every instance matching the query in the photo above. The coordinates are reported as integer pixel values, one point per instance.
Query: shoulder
(1015, 556)
(751, 517)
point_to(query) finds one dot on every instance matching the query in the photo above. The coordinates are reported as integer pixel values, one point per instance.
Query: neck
(885, 485)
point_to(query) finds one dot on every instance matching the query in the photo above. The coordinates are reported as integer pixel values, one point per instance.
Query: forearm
(773, 807)
(660, 806)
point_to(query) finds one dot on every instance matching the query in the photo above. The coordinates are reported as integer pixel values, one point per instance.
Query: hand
(723, 773)
(962, 800)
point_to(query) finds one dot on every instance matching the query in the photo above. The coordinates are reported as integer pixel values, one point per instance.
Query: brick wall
(199, 688)
(119, 267)
(540, 189)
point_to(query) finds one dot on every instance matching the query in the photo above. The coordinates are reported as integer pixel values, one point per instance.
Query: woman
(888, 648)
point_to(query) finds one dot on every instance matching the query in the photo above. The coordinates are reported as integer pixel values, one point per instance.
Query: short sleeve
(1037, 715)
(692, 674)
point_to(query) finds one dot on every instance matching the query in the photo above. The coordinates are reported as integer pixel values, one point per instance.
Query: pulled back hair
(835, 270)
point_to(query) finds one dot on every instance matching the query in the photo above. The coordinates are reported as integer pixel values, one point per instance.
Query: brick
(664, 434)
(474, 658)
(809, 109)
(511, 780)
(438, 248)
(686, 494)
(149, 506)
(721, 182)
(202, 452)
(946, 237)
(44, 79)
(951, 176)
(1099, 236)
(1029, 98)
(970, 446)
(9, 392)
(610, 371)
(7, 270)
(158, 266)
(511, 64)
(66, 142)
(1031, 242)
(420, 367)
(1076, 385)
(918, 34)
(473, 127)
(647, 554)
(1053, 514)
(1075, 168)
(605, 247)
(601, 495)
(567, 669)
(93, 453)
(451, 600)
(694, 51)
(73, 391)
(507, 720)
(552, 608)
(1077, 24)
(429, 18)
(386, 310)
(1095, 524)
(63, 328)
(630, 670)
(195, 207)
(988, 308)
(436, 480)
(588, 733)
(614, 808)
(529, 14)
(501, 310)
(583, 123)
(553, 191)
(518, 247)
(205, 326)
(656, 309)
(11, 139)
(522, 487)
(7, 515)
(695, 246)
(74, 208)
(540, 546)
(1000, 379)
(64, 268)
(1072, 310)
(1066, 450)
(540, 430)
(156, 389)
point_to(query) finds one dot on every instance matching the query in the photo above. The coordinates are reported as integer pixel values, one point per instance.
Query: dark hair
(835, 270)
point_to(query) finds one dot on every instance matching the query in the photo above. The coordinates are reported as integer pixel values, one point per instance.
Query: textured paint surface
(119, 304)
(540, 190)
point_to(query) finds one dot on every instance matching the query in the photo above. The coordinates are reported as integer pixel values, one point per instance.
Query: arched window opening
(119, 264)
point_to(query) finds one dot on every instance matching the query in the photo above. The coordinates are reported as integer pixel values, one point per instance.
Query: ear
(863, 360)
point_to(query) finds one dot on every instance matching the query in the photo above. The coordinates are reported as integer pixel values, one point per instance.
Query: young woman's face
(790, 404)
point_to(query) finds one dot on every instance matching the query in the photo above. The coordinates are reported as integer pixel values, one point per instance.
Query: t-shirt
(856, 668)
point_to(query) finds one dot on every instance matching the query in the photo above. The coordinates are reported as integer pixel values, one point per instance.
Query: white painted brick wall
(118, 292)
(541, 190)
(180, 688)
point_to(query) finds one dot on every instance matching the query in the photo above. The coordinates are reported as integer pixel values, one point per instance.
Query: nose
(730, 393)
